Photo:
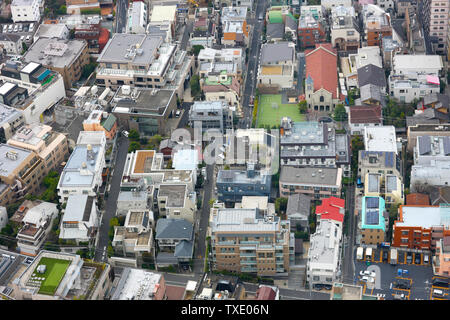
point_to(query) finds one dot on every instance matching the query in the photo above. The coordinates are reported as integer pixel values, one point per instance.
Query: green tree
(303, 107)
(211, 202)
(196, 49)
(281, 205)
(88, 69)
(134, 145)
(357, 145)
(339, 113)
(195, 86)
(62, 10)
(154, 141)
(133, 135)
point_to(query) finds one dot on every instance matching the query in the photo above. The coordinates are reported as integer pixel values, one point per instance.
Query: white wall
(25, 12)
(12, 47)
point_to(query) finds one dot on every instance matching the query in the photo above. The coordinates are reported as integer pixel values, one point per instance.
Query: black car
(401, 284)
(325, 119)
(417, 258)
(385, 256)
(318, 286)
(328, 287)
(440, 282)
(409, 257)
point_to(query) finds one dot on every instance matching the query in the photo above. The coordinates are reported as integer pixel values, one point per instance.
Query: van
(261, 17)
(438, 293)
(177, 114)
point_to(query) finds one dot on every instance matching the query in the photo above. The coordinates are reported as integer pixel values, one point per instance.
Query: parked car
(325, 119)
(409, 257)
(318, 286)
(438, 293)
(20, 27)
(399, 296)
(31, 27)
(177, 114)
(10, 28)
(417, 258)
(385, 256)
(5, 27)
(440, 282)
(125, 133)
(425, 258)
(402, 284)
(16, 28)
(328, 286)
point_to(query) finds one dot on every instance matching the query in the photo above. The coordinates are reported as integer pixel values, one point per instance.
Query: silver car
(16, 28)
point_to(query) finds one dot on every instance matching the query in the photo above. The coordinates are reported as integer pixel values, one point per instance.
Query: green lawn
(272, 116)
(55, 271)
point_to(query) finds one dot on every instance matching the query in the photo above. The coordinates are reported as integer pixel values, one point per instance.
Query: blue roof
(44, 75)
(372, 215)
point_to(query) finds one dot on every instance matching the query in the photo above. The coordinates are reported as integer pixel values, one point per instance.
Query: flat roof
(380, 138)
(185, 159)
(411, 61)
(242, 220)
(311, 176)
(175, 194)
(324, 245)
(137, 284)
(8, 113)
(372, 216)
(423, 216)
(143, 161)
(16, 157)
(163, 13)
(30, 67)
(78, 208)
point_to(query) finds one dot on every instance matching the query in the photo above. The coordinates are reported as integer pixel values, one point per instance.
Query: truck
(359, 253)
(393, 256)
(369, 254)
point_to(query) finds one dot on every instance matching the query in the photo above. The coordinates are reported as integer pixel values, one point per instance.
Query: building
(208, 56)
(51, 147)
(378, 162)
(390, 47)
(407, 64)
(11, 43)
(277, 65)
(434, 174)
(430, 149)
(138, 284)
(372, 75)
(404, 6)
(316, 182)
(11, 119)
(218, 85)
(311, 31)
(74, 278)
(144, 110)
(186, 159)
(324, 264)
(36, 225)
(437, 101)
(389, 186)
(175, 240)
(176, 202)
(313, 144)
(233, 184)
(373, 223)
(377, 24)
(235, 33)
(322, 90)
(298, 210)
(425, 130)
(345, 34)
(81, 219)
(101, 121)
(59, 31)
(441, 261)
(137, 17)
(131, 200)
(360, 117)
(76, 7)
(414, 199)
(211, 115)
(435, 23)
(318, 11)
(439, 195)
(245, 241)
(420, 227)
(380, 138)
(82, 173)
(92, 32)
(55, 55)
(144, 61)
(409, 88)
(204, 33)
(25, 11)
(329, 4)
(331, 209)
(164, 14)
(275, 32)
(342, 291)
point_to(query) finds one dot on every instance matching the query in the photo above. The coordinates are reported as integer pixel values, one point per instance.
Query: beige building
(52, 147)
(176, 202)
(243, 240)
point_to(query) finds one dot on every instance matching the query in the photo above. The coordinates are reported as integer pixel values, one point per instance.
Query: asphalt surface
(289, 294)
(301, 69)
(349, 251)
(186, 34)
(121, 16)
(111, 201)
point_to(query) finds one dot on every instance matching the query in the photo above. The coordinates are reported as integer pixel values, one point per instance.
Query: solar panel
(424, 145)
(372, 202)
(372, 217)
(389, 159)
(446, 146)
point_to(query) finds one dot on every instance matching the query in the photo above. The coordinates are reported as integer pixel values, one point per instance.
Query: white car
(125, 133)
(16, 28)
(177, 114)
(5, 27)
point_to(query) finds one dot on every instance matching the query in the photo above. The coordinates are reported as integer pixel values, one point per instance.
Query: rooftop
(423, 216)
(298, 205)
(78, 208)
(163, 13)
(8, 114)
(311, 176)
(39, 214)
(137, 284)
(380, 138)
(417, 199)
(243, 220)
(148, 101)
(275, 52)
(372, 216)
(365, 114)
(11, 158)
(241, 177)
(175, 194)
(324, 244)
(174, 229)
(414, 62)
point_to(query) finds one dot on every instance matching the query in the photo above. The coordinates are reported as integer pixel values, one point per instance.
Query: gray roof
(78, 208)
(132, 196)
(174, 229)
(146, 103)
(175, 194)
(291, 22)
(274, 52)
(9, 165)
(371, 74)
(370, 91)
(9, 37)
(442, 100)
(8, 114)
(298, 204)
(309, 176)
(184, 249)
(275, 30)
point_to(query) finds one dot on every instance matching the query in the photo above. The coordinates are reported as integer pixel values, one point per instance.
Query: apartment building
(139, 284)
(417, 130)
(144, 61)
(95, 36)
(317, 11)
(435, 23)
(25, 10)
(135, 199)
(373, 222)
(36, 225)
(81, 219)
(382, 162)
(204, 33)
(387, 185)
(208, 57)
(332, 209)
(324, 264)
(11, 119)
(311, 31)
(403, 6)
(313, 144)
(377, 24)
(164, 14)
(11, 43)
(435, 174)
(316, 182)
(322, 90)
(101, 121)
(82, 173)
(219, 86)
(211, 115)
(441, 260)
(345, 34)
(244, 240)
(176, 202)
(58, 30)
(430, 149)
(380, 138)
(420, 227)
(407, 64)
(55, 55)
(137, 17)
(298, 210)
(31, 88)
(51, 147)
(360, 117)
(409, 88)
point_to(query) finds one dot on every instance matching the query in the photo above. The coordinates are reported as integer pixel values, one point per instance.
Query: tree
(357, 145)
(134, 145)
(211, 202)
(196, 49)
(154, 141)
(62, 10)
(133, 135)
(340, 114)
(281, 205)
(195, 86)
(88, 69)
(303, 107)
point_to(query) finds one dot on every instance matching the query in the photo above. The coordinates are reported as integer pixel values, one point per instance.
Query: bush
(134, 146)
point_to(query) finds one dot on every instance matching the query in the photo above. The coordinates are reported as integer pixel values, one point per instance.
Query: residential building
(322, 90)
(420, 227)
(162, 14)
(377, 24)
(176, 202)
(315, 182)
(31, 88)
(380, 138)
(233, 184)
(425, 130)
(211, 115)
(25, 11)
(81, 219)
(415, 38)
(407, 64)
(186, 159)
(437, 101)
(51, 147)
(275, 32)
(204, 30)
(144, 61)
(132, 200)
(261, 203)
(439, 195)
(144, 110)
(218, 85)
(82, 173)
(324, 264)
(139, 284)
(137, 17)
(235, 33)
(317, 11)
(11, 43)
(101, 121)
(55, 55)
(345, 34)
(22, 173)
(59, 31)
(74, 279)
(135, 237)
(403, 6)
(36, 225)
(342, 291)
(430, 149)
(11, 119)
(95, 36)
(378, 162)
(373, 75)
(435, 23)
(427, 116)
(329, 4)
(175, 240)
(207, 57)
(298, 211)
(332, 209)
(265, 292)
(313, 144)
(409, 88)
(389, 186)
(390, 48)
(360, 117)
(245, 241)
(311, 31)
(373, 223)
(277, 65)
(441, 261)
(414, 199)
(75, 7)
(434, 174)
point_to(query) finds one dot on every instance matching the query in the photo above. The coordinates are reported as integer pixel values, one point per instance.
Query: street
(121, 16)
(348, 260)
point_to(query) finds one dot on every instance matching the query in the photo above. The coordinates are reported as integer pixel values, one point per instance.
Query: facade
(211, 115)
(11, 43)
(435, 22)
(137, 17)
(101, 121)
(11, 119)
(345, 35)
(409, 88)
(441, 261)
(310, 31)
(360, 117)
(316, 182)
(25, 11)
(243, 240)
(36, 225)
(95, 36)
(373, 224)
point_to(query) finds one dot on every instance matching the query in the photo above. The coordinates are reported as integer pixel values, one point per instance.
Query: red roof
(332, 208)
(418, 199)
(365, 114)
(104, 37)
(265, 293)
(321, 65)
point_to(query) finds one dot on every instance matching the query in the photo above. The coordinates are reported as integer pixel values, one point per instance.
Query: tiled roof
(365, 114)
(109, 122)
(331, 209)
(417, 199)
(321, 66)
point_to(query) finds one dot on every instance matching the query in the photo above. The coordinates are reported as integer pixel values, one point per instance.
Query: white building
(37, 224)
(131, 200)
(83, 171)
(406, 88)
(234, 55)
(323, 266)
(437, 173)
(186, 159)
(431, 148)
(176, 202)
(137, 17)
(408, 64)
(277, 64)
(60, 31)
(3, 217)
(81, 218)
(344, 29)
(11, 43)
(380, 138)
(329, 4)
(25, 10)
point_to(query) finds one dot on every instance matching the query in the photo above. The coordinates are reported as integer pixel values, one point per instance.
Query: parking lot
(438, 289)
(25, 29)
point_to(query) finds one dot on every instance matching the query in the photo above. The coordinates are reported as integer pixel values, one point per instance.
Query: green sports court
(271, 110)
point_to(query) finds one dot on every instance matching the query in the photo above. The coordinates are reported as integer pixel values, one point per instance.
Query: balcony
(249, 269)
(246, 262)
(226, 243)
(248, 254)
(249, 242)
